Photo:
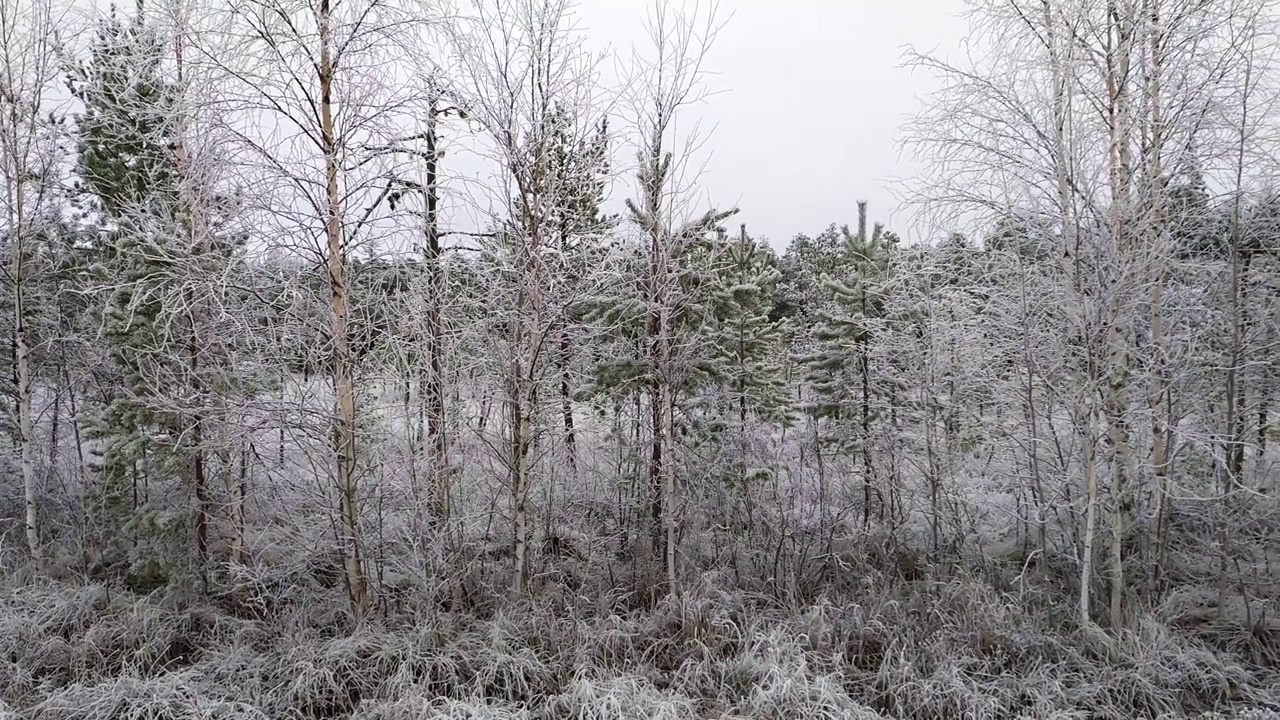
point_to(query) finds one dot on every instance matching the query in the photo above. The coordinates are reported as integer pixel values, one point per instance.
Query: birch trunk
(1119, 55)
(28, 163)
(26, 418)
(344, 433)
(1157, 394)
(520, 481)
(1084, 372)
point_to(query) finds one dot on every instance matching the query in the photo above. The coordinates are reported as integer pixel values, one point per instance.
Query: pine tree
(166, 242)
(840, 374)
(801, 292)
(652, 319)
(578, 167)
(743, 378)
(129, 177)
(746, 345)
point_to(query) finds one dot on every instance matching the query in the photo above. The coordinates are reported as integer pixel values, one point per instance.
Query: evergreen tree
(800, 291)
(746, 351)
(170, 324)
(652, 317)
(129, 178)
(745, 357)
(839, 368)
(579, 164)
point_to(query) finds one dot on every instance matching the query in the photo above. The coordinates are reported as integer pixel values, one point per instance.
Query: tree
(129, 175)
(173, 318)
(523, 69)
(840, 367)
(746, 344)
(30, 158)
(318, 75)
(669, 82)
(1082, 116)
(579, 167)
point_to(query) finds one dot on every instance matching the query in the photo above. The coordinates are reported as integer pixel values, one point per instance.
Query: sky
(810, 96)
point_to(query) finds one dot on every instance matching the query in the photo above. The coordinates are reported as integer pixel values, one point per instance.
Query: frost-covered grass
(906, 650)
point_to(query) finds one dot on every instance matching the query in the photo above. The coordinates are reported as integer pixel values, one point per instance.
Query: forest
(385, 359)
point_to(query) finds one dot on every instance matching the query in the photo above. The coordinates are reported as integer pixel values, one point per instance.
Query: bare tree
(667, 84)
(30, 168)
(419, 186)
(522, 65)
(206, 219)
(330, 83)
(1081, 115)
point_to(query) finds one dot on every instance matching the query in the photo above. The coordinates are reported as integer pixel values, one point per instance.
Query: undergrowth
(907, 650)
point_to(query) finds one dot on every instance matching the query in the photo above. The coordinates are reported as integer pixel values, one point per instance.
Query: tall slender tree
(30, 173)
(320, 75)
(840, 368)
(746, 347)
(523, 69)
(129, 176)
(669, 82)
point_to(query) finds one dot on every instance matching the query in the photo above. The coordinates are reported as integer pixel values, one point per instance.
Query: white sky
(811, 99)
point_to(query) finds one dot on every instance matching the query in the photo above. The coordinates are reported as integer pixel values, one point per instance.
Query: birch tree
(523, 67)
(667, 84)
(332, 83)
(31, 165)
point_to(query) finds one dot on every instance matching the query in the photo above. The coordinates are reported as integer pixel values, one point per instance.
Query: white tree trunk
(344, 436)
(1122, 15)
(29, 170)
(26, 420)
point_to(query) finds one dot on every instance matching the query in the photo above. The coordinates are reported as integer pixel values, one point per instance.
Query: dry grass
(891, 650)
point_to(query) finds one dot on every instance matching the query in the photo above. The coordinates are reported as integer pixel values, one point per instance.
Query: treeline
(211, 347)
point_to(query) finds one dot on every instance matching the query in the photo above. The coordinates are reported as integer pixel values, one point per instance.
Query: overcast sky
(812, 98)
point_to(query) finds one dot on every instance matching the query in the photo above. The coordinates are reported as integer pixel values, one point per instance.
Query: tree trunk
(669, 470)
(932, 470)
(1262, 419)
(82, 464)
(1233, 446)
(202, 501)
(1090, 516)
(26, 418)
(1037, 484)
(519, 447)
(1157, 393)
(656, 391)
(437, 434)
(55, 428)
(1119, 46)
(236, 480)
(566, 401)
(344, 435)
(865, 371)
